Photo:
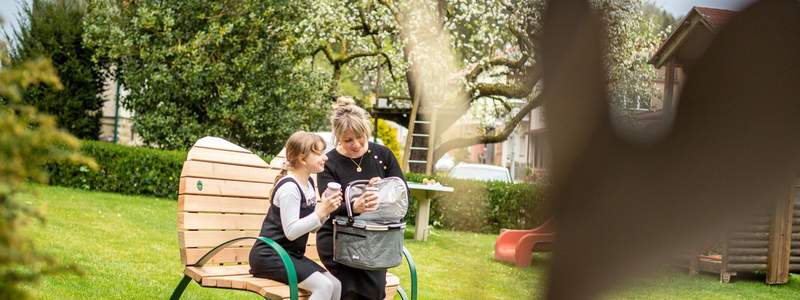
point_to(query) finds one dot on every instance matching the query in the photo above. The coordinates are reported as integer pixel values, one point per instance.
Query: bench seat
(237, 277)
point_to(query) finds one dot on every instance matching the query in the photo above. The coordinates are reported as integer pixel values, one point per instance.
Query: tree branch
(514, 65)
(502, 102)
(523, 40)
(489, 139)
(325, 50)
(521, 89)
(375, 41)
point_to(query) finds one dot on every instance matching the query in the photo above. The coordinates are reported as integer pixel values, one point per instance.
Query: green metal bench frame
(290, 271)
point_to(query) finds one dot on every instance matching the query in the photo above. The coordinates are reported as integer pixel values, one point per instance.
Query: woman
(354, 158)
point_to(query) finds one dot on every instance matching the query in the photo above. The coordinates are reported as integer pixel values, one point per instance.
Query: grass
(127, 248)
(707, 286)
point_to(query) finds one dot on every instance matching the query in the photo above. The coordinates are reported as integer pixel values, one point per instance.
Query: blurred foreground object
(622, 206)
(28, 140)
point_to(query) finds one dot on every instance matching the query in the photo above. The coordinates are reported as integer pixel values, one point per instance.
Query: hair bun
(343, 101)
(346, 106)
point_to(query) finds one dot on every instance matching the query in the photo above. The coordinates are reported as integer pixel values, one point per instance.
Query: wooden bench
(223, 199)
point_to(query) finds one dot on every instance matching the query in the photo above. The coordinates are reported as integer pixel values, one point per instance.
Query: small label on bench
(199, 185)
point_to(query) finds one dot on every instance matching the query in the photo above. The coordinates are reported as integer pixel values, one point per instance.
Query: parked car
(445, 163)
(480, 172)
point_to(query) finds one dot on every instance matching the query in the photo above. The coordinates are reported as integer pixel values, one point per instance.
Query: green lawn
(127, 247)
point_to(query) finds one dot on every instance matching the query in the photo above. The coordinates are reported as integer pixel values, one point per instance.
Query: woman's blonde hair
(348, 116)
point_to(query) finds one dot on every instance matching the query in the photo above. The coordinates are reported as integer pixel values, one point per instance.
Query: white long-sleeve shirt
(287, 199)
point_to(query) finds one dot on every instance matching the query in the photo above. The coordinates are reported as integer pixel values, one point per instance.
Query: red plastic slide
(517, 246)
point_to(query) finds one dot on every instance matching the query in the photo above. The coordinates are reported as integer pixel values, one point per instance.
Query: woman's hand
(368, 201)
(328, 205)
(373, 181)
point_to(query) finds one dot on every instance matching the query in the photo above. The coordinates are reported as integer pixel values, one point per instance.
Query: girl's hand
(368, 201)
(328, 205)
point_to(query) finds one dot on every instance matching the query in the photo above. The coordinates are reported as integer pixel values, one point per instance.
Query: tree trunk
(337, 74)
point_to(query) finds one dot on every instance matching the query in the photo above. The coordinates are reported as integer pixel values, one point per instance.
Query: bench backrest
(224, 194)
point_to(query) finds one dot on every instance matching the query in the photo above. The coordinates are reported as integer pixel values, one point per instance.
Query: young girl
(293, 214)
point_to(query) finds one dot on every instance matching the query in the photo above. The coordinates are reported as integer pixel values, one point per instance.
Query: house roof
(715, 17)
(712, 19)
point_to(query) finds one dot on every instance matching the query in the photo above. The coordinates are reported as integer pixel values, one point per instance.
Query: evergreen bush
(53, 30)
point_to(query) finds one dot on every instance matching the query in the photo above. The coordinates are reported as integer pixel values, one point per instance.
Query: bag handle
(347, 205)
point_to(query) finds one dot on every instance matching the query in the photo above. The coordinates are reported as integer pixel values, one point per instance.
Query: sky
(9, 8)
(679, 8)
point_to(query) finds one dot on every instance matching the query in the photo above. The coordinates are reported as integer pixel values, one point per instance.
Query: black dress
(377, 162)
(264, 261)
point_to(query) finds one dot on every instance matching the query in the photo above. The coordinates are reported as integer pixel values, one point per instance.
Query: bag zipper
(352, 234)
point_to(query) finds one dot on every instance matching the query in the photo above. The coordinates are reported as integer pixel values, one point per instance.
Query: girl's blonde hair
(300, 144)
(348, 116)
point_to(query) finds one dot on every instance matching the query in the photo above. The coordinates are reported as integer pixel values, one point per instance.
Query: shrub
(517, 205)
(388, 135)
(28, 140)
(123, 169)
(52, 30)
(484, 206)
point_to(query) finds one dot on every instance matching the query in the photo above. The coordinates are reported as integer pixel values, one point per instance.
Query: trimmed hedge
(485, 206)
(123, 169)
(474, 206)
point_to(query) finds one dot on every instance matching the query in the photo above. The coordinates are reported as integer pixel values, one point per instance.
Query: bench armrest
(287, 262)
(412, 268)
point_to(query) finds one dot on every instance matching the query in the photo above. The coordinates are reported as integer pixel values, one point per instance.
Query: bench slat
(231, 255)
(217, 187)
(236, 277)
(212, 238)
(267, 288)
(224, 156)
(219, 143)
(224, 256)
(208, 239)
(312, 254)
(231, 282)
(189, 221)
(201, 203)
(197, 273)
(234, 254)
(271, 289)
(228, 172)
(278, 160)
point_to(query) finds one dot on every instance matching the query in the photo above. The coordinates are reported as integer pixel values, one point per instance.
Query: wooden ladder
(418, 151)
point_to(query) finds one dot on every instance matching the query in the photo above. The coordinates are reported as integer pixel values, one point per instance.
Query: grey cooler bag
(374, 242)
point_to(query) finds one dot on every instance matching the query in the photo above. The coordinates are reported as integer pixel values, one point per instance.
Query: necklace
(358, 164)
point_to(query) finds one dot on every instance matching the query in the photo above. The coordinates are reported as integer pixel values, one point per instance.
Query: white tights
(323, 286)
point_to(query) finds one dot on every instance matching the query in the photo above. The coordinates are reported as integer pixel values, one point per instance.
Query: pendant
(358, 169)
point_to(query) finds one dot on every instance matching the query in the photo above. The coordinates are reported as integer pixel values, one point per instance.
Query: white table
(424, 193)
